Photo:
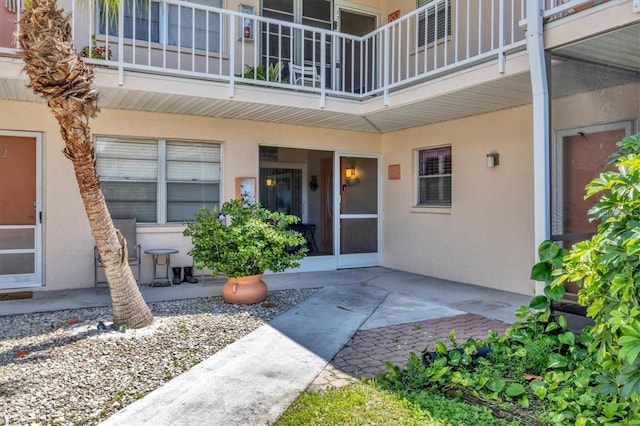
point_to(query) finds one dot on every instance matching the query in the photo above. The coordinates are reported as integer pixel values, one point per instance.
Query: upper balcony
(183, 57)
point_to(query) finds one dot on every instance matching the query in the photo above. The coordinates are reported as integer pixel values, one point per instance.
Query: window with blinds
(437, 24)
(158, 181)
(434, 177)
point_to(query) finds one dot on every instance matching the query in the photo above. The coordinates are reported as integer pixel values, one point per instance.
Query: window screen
(434, 177)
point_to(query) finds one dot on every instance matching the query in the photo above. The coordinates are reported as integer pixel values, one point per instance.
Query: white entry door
(20, 220)
(358, 200)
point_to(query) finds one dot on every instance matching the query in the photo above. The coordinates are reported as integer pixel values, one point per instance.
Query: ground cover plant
(540, 372)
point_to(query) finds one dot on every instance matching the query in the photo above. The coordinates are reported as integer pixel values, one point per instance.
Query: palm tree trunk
(58, 74)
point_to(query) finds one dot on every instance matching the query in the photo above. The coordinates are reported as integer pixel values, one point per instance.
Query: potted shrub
(96, 52)
(242, 240)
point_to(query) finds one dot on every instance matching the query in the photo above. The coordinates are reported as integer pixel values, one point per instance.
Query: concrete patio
(358, 319)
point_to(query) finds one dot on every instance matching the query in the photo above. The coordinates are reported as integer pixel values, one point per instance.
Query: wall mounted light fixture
(493, 159)
(270, 182)
(350, 174)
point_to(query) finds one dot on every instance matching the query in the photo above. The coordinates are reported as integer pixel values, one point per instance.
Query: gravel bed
(61, 368)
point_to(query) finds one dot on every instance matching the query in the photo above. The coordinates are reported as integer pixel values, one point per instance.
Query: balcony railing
(185, 39)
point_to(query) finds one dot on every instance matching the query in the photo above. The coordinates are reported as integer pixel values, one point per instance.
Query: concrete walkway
(252, 381)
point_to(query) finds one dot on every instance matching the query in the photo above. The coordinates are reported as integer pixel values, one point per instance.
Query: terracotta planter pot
(245, 290)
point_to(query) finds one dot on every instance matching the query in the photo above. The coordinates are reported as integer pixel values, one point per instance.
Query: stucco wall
(486, 237)
(68, 243)
(607, 105)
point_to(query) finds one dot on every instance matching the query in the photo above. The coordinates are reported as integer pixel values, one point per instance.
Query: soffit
(606, 60)
(496, 95)
(298, 108)
(619, 48)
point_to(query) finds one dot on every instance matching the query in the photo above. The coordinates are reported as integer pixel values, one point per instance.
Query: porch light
(271, 182)
(350, 172)
(493, 159)
(352, 179)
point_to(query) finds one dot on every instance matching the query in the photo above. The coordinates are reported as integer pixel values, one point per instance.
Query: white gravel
(59, 368)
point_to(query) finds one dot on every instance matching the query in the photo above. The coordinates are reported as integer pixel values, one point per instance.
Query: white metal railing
(197, 41)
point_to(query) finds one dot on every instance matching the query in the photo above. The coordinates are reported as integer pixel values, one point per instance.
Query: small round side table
(156, 253)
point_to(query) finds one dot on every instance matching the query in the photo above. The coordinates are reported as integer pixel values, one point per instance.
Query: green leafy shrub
(253, 241)
(261, 72)
(607, 270)
(589, 378)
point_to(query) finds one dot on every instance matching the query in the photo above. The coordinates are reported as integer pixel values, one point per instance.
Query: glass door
(357, 225)
(281, 44)
(20, 264)
(580, 155)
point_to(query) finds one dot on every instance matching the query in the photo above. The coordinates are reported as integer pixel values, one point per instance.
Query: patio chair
(127, 228)
(303, 75)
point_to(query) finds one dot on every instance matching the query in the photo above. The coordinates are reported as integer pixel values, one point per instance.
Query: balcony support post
(386, 65)
(323, 70)
(501, 53)
(541, 124)
(232, 56)
(121, 43)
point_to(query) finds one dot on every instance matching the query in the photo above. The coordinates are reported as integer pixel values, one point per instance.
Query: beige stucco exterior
(486, 237)
(68, 243)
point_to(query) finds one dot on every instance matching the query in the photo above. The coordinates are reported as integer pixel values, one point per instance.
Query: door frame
(355, 8)
(359, 260)
(35, 279)
(557, 171)
(349, 6)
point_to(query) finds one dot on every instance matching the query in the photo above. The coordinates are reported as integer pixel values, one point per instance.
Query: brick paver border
(365, 354)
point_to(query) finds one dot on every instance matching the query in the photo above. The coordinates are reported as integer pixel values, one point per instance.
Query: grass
(365, 403)
(362, 403)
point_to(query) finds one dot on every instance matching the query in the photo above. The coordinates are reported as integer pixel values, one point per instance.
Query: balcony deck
(393, 83)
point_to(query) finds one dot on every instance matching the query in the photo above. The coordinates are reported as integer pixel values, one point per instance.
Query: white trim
(355, 7)
(35, 279)
(541, 126)
(359, 259)
(558, 151)
(316, 263)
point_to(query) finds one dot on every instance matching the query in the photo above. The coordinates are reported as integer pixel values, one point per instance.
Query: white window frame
(161, 179)
(441, 174)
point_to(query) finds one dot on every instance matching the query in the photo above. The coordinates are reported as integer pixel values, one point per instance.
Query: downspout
(541, 126)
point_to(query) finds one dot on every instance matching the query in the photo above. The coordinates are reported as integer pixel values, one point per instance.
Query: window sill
(431, 209)
(153, 228)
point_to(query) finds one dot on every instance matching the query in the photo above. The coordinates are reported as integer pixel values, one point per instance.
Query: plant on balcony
(242, 240)
(95, 52)
(261, 72)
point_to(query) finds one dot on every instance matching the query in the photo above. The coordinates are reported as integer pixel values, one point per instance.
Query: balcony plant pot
(245, 290)
(242, 240)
